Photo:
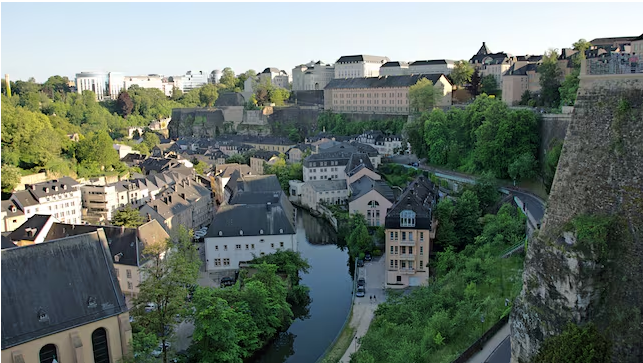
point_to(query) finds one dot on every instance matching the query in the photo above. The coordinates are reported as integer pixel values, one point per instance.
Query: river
(330, 289)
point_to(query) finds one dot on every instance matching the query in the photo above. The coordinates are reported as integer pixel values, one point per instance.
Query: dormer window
(407, 218)
(91, 302)
(42, 316)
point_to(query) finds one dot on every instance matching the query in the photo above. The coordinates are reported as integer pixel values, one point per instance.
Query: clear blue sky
(44, 39)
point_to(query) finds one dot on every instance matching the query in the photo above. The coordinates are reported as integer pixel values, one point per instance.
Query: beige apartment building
(312, 76)
(381, 95)
(410, 229)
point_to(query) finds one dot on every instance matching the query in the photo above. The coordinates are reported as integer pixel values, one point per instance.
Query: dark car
(361, 291)
(227, 281)
(361, 282)
(360, 263)
(368, 257)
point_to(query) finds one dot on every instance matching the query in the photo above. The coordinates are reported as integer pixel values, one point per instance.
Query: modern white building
(394, 69)
(105, 85)
(312, 76)
(190, 80)
(354, 66)
(149, 81)
(102, 201)
(324, 191)
(60, 198)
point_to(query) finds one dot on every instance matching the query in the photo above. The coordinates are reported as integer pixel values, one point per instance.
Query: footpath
(491, 346)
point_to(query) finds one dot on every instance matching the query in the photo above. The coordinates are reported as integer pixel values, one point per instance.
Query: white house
(355, 66)
(59, 197)
(436, 66)
(327, 191)
(312, 76)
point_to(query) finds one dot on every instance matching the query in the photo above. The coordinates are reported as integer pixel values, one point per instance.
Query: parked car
(368, 257)
(360, 263)
(361, 282)
(361, 291)
(159, 350)
(227, 281)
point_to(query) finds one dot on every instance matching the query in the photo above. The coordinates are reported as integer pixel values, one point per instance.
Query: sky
(44, 39)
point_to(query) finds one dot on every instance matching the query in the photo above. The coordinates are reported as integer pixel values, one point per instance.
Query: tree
(524, 99)
(523, 167)
(436, 135)
(208, 95)
(241, 79)
(489, 85)
(124, 104)
(237, 158)
(486, 191)
(278, 96)
(199, 166)
(97, 147)
(581, 46)
(177, 94)
(150, 139)
(10, 177)
(128, 217)
(576, 344)
(422, 95)
(445, 235)
(550, 75)
(228, 79)
(462, 72)
(173, 266)
(474, 87)
(359, 241)
(466, 215)
(569, 88)
(551, 163)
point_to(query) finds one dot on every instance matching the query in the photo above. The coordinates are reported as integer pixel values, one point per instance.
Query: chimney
(54, 188)
(149, 217)
(156, 208)
(182, 195)
(169, 198)
(46, 189)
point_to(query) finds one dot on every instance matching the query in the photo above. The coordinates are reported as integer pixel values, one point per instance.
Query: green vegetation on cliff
(574, 345)
(340, 124)
(438, 322)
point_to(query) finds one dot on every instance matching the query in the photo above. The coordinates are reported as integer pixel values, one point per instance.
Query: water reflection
(318, 230)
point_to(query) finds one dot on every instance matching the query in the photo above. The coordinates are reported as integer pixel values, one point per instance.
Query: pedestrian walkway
(491, 345)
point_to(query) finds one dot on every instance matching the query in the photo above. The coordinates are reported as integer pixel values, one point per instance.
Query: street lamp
(356, 337)
(481, 325)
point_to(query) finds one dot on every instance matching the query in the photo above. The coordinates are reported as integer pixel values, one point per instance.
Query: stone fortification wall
(553, 127)
(600, 173)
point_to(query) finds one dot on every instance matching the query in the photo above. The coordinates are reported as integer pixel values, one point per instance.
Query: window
(225, 247)
(252, 246)
(129, 285)
(226, 262)
(391, 263)
(421, 236)
(217, 262)
(216, 248)
(391, 249)
(410, 250)
(399, 279)
(421, 264)
(391, 236)
(238, 247)
(403, 250)
(48, 353)
(129, 273)
(411, 236)
(407, 218)
(403, 236)
(421, 250)
(281, 244)
(272, 245)
(396, 236)
(247, 247)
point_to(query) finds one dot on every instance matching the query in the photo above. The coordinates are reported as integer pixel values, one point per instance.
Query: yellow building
(410, 230)
(61, 301)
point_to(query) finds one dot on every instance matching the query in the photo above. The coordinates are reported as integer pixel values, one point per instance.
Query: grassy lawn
(341, 345)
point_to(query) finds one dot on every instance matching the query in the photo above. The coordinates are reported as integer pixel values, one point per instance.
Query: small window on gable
(407, 218)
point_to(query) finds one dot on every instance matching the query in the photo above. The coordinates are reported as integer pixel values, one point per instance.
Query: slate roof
(35, 224)
(362, 58)
(431, 62)
(230, 99)
(226, 170)
(55, 286)
(271, 70)
(342, 157)
(265, 154)
(365, 184)
(157, 164)
(609, 41)
(252, 219)
(6, 243)
(357, 162)
(482, 52)
(52, 187)
(420, 196)
(266, 140)
(327, 185)
(395, 64)
(11, 208)
(382, 81)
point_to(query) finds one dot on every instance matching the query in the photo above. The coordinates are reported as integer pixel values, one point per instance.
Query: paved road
(502, 354)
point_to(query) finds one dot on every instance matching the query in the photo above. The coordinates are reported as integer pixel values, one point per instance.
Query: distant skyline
(44, 39)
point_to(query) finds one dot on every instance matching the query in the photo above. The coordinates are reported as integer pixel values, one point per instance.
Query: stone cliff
(586, 262)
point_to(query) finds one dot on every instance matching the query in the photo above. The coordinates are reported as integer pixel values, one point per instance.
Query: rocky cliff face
(575, 272)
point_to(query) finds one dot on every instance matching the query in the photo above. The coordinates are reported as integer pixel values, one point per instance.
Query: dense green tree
(97, 147)
(523, 167)
(124, 104)
(10, 177)
(462, 72)
(422, 96)
(208, 95)
(576, 344)
(476, 81)
(56, 87)
(165, 288)
(228, 79)
(241, 79)
(437, 137)
(466, 214)
(524, 98)
(128, 217)
(445, 234)
(177, 94)
(237, 158)
(199, 166)
(551, 163)
(486, 190)
(581, 45)
(285, 172)
(550, 75)
(414, 133)
(278, 96)
(489, 85)
(359, 241)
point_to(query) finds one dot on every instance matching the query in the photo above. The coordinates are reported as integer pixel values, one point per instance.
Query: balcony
(407, 242)
(407, 270)
(407, 256)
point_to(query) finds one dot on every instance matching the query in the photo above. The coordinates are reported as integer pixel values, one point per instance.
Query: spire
(483, 50)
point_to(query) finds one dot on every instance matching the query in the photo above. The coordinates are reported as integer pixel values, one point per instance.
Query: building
(101, 202)
(149, 81)
(226, 172)
(410, 229)
(355, 66)
(394, 69)
(381, 95)
(123, 150)
(233, 144)
(190, 80)
(62, 301)
(326, 165)
(384, 144)
(58, 197)
(312, 76)
(372, 198)
(106, 85)
(637, 45)
(517, 80)
(126, 247)
(495, 64)
(256, 220)
(324, 191)
(260, 157)
(436, 66)
(12, 216)
(32, 231)
(296, 153)
(275, 77)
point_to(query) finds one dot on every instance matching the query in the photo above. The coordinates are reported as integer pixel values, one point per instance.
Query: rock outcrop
(574, 273)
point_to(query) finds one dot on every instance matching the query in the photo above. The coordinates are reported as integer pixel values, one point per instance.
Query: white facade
(151, 81)
(359, 66)
(225, 253)
(102, 201)
(275, 77)
(331, 192)
(190, 80)
(432, 67)
(65, 203)
(330, 170)
(312, 76)
(394, 69)
(105, 85)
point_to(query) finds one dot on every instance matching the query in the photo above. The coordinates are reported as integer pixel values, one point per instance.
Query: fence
(614, 64)
(479, 344)
(346, 321)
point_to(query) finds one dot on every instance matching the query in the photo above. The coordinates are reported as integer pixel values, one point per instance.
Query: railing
(407, 256)
(407, 270)
(407, 242)
(614, 64)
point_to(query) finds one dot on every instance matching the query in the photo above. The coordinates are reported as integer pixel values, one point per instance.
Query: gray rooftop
(327, 185)
(250, 220)
(55, 286)
(365, 184)
(362, 58)
(382, 81)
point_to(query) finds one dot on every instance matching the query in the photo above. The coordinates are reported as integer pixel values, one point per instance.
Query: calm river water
(330, 289)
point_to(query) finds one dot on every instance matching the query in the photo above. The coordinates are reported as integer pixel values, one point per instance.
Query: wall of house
(220, 248)
(66, 208)
(394, 71)
(513, 86)
(412, 273)
(431, 68)
(332, 170)
(129, 284)
(9, 224)
(119, 334)
(362, 206)
(364, 171)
